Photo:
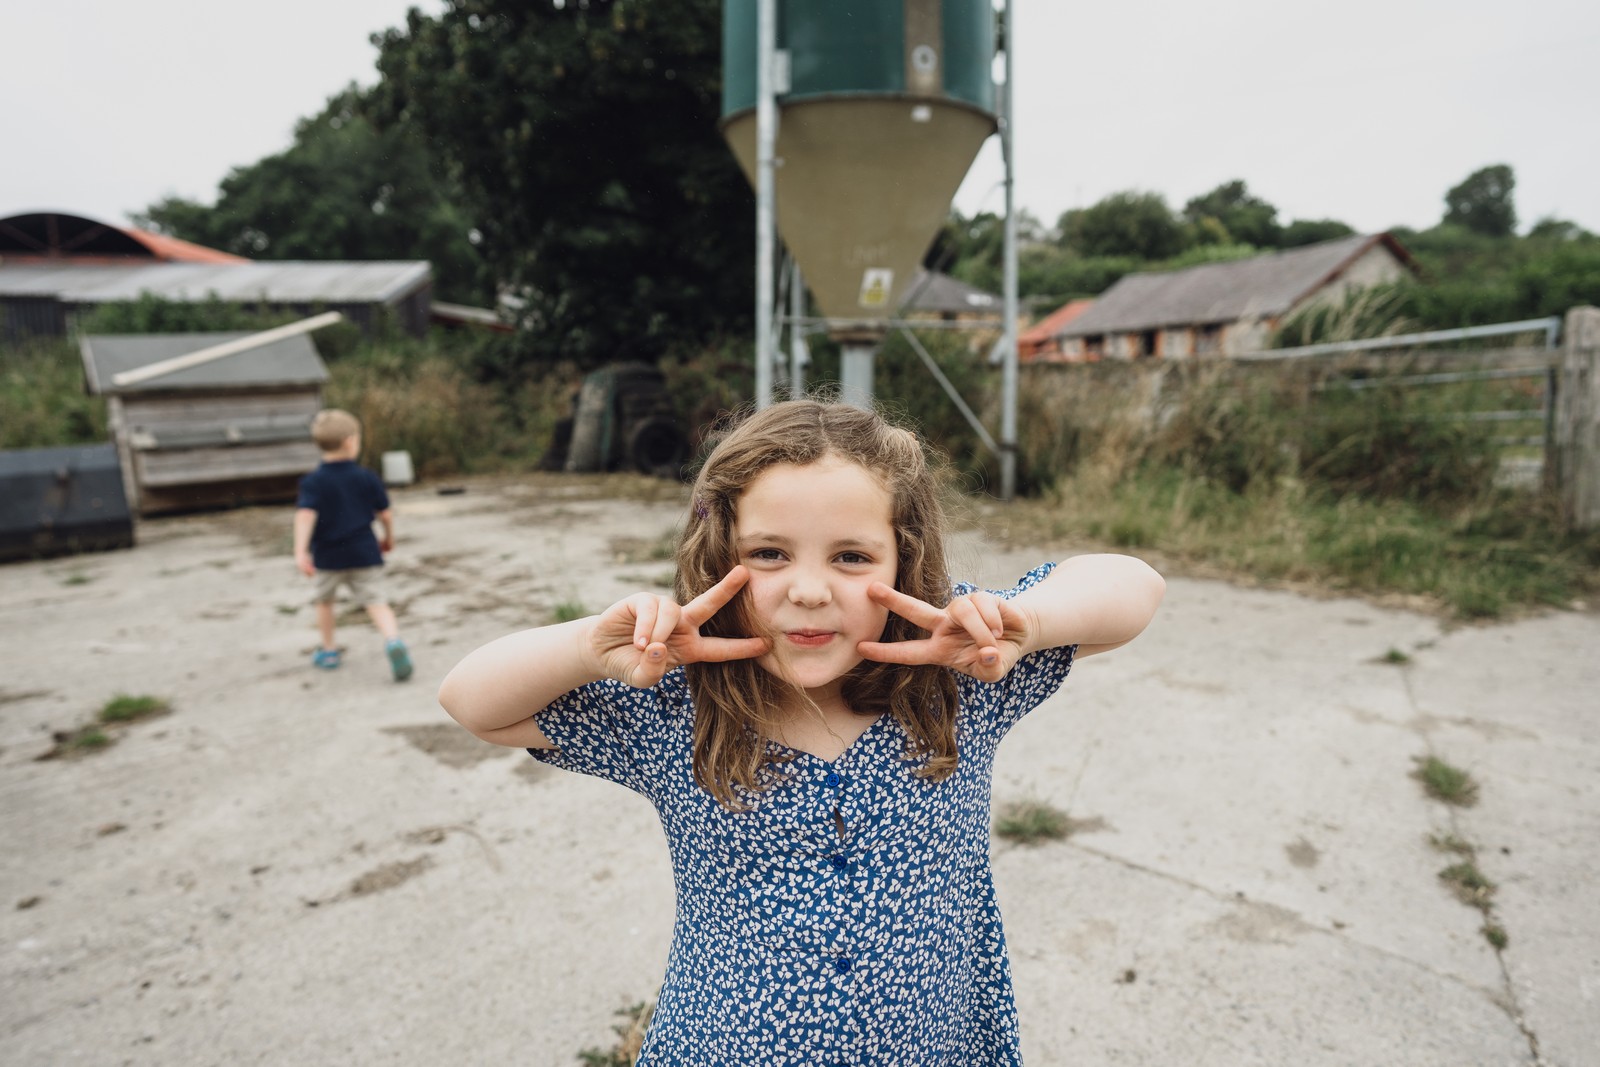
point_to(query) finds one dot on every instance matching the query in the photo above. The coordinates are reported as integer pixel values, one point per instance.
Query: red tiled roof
(1041, 335)
(174, 250)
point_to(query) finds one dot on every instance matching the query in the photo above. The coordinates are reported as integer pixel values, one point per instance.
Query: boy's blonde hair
(332, 427)
(735, 702)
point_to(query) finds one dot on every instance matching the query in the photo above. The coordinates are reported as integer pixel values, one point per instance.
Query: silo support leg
(855, 374)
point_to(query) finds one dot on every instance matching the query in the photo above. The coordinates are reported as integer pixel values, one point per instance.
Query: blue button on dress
(795, 944)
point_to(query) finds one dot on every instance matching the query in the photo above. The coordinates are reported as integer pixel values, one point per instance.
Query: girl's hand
(978, 634)
(639, 639)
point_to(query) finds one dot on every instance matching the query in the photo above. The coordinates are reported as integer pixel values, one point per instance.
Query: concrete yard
(298, 867)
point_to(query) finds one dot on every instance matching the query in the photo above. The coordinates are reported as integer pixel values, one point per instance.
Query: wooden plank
(190, 466)
(172, 409)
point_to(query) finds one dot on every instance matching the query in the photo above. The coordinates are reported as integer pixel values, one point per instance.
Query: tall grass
(43, 402)
(1283, 475)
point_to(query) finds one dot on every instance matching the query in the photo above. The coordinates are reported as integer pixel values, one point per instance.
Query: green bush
(43, 402)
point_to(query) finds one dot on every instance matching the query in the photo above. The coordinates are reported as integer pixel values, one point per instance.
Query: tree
(583, 137)
(1482, 203)
(1247, 219)
(1124, 224)
(1311, 231)
(342, 190)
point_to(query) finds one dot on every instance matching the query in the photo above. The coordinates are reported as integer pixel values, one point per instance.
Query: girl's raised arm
(1096, 602)
(497, 691)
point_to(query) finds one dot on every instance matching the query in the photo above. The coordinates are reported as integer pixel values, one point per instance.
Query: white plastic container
(397, 469)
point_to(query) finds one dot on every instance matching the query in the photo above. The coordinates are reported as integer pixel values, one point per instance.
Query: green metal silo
(887, 105)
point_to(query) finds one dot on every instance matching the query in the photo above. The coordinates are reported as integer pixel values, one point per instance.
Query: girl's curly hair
(735, 702)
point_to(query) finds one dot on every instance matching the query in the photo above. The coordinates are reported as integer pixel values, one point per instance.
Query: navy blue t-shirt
(346, 496)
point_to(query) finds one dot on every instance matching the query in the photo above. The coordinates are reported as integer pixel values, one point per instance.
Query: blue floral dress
(797, 943)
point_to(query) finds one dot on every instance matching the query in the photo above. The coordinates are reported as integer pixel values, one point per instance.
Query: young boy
(333, 539)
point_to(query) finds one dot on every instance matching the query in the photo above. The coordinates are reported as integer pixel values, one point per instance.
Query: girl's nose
(809, 591)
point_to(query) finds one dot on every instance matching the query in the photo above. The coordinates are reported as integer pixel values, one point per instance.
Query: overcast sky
(1366, 111)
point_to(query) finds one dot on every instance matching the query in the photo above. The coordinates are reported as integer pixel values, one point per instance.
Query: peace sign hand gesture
(978, 634)
(639, 639)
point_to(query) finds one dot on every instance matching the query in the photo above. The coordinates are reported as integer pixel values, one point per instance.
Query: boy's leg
(327, 655)
(399, 659)
(382, 617)
(325, 620)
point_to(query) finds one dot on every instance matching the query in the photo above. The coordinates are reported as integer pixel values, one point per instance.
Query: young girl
(814, 717)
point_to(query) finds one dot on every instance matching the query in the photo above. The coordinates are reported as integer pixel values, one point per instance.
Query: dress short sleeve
(614, 731)
(993, 708)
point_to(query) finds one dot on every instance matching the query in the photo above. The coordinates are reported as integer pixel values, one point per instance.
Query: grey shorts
(366, 585)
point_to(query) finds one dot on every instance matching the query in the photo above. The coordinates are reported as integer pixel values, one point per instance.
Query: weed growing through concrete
(1444, 782)
(1032, 822)
(116, 715)
(78, 578)
(89, 739)
(1470, 885)
(630, 1033)
(124, 708)
(1396, 657)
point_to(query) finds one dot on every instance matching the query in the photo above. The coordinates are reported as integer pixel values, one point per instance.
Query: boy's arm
(305, 521)
(1097, 602)
(386, 542)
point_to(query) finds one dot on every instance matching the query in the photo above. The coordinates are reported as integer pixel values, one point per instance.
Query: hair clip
(700, 507)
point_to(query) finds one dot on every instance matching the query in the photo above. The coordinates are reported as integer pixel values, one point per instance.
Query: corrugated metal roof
(1260, 287)
(279, 282)
(292, 361)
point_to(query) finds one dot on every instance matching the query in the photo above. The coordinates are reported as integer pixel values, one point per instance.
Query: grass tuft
(124, 708)
(1032, 822)
(1469, 884)
(630, 1033)
(1495, 934)
(1396, 657)
(1443, 782)
(89, 739)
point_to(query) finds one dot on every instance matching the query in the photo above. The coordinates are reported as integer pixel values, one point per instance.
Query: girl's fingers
(713, 600)
(667, 615)
(914, 653)
(644, 609)
(911, 609)
(723, 649)
(965, 614)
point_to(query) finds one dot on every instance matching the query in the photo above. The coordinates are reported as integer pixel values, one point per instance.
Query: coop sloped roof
(1259, 287)
(277, 282)
(289, 362)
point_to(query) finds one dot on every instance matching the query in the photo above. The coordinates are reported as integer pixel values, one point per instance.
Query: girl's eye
(766, 553)
(854, 558)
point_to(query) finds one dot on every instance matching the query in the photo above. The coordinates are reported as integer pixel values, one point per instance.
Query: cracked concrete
(1258, 886)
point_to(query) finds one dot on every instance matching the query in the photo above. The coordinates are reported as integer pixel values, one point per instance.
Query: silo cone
(888, 105)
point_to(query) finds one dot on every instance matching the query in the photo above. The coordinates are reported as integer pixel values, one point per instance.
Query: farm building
(229, 431)
(936, 297)
(1223, 309)
(1041, 342)
(54, 266)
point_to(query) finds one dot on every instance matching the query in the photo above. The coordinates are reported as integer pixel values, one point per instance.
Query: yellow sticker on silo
(875, 285)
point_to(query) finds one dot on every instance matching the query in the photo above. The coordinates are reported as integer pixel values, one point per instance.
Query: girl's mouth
(809, 638)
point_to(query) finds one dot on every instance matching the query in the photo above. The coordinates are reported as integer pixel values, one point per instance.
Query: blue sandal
(326, 659)
(399, 659)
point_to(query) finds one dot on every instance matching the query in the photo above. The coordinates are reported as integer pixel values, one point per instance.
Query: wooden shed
(231, 430)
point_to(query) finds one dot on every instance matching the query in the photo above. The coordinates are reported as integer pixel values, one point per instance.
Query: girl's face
(814, 538)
